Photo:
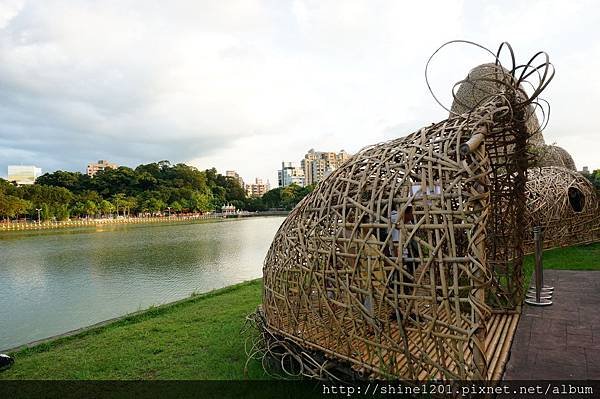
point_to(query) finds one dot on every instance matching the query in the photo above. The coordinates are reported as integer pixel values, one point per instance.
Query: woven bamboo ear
(552, 155)
(396, 262)
(565, 204)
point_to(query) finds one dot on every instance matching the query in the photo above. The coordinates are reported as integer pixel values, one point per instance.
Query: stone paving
(560, 341)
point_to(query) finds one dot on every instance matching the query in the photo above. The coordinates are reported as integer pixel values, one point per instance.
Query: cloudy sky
(246, 84)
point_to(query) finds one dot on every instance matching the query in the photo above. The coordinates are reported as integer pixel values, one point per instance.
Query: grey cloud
(61, 108)
(137, 81)
(46, 132)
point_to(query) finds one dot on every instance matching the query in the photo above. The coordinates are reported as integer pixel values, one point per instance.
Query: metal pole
(542, 294)
(539, 249)
(539, 276)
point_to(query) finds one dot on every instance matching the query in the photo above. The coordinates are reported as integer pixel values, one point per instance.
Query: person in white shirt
(409, 251)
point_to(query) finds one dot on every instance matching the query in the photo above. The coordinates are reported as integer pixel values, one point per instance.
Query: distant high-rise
(258, 188)
(23, 174)
(233, 174)
(103, 164)
(290, 174)
(318, 165)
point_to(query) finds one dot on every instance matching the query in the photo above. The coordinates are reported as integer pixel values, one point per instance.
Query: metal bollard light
(541, 294)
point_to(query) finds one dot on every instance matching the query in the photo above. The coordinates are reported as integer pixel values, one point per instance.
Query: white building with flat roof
(258, 188)
(23, 174)
(290, 173)
(317, 165)
(102, 164)
(235, 175)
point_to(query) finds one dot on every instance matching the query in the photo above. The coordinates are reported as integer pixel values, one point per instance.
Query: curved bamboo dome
(565, 204)
(406, 261)
(552, 155)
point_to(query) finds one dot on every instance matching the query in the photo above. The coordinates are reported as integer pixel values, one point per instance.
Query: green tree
(78, 209)
(272, 198)
(12, 206)
(72, 181)
(90, 195)
(39, 195)
(109, 182)
(46, 213)
(201, 202)
(176, 207)
(594, 178)
(5, 186)
(285, 197)
(146, 188)
(154, 205)
(21, 207)
(106, 208)
(62, 212)
(290, 195)
(130, 204)
(255, 204)
(90, 208)
(120, 203)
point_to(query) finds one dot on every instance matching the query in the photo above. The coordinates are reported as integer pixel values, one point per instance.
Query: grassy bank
(196, 339)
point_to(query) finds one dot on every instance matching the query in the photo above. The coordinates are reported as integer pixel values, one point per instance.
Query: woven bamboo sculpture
(396, 262)
(565, 204)
(552, 155)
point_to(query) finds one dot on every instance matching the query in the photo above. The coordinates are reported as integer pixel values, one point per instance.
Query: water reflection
(52, 283)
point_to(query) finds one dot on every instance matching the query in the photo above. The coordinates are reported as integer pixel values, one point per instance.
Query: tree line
(154, 188)
(594, 178)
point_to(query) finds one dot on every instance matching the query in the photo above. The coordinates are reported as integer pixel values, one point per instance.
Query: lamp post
(38, 211)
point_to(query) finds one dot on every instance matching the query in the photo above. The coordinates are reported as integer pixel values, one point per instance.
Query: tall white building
(23, 174)
(258, 188)
(233, 174)
(290, 174)
(317, 165)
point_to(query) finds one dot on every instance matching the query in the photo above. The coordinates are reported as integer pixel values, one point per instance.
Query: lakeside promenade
(34, 225)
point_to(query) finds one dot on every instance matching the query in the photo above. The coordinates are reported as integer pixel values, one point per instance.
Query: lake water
(56, 281)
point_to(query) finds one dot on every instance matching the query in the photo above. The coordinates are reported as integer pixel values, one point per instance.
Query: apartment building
(290, 173)
(103, 164)
(317, 165)
(258, 188)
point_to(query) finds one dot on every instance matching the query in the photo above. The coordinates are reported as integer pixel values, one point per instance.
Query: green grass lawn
(196, 339)
(583, 257)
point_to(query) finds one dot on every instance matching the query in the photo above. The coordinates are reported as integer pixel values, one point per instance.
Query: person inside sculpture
(407, 252)
(370, 277)
(411, 250)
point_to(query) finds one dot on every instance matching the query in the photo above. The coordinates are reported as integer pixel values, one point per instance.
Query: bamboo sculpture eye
(576, 199)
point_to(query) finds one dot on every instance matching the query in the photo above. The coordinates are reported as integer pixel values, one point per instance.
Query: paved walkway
(560, 341)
